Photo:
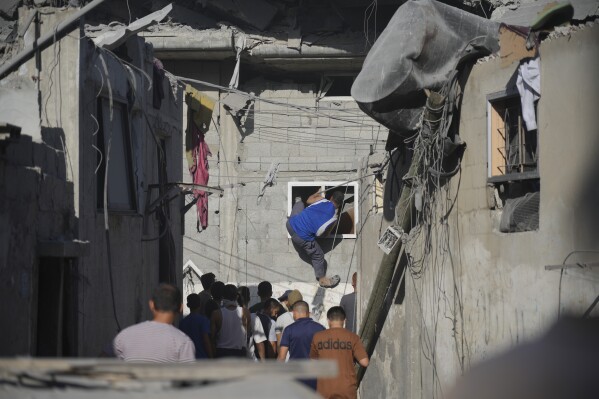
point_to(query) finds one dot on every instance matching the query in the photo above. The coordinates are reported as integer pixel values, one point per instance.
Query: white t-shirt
(258, 334)
(151, 341)
(283, 321)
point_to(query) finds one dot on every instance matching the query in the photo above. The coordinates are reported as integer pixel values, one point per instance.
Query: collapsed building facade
(489, 218)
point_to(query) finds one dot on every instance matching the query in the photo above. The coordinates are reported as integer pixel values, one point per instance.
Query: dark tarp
(423, 44)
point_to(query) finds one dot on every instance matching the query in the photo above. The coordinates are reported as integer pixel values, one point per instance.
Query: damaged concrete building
(86, 151)
(460, 133)
(287, 128)
(494, 195)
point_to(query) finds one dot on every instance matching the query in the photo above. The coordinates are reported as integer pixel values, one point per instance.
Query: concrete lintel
(208, 40)
(62, 249)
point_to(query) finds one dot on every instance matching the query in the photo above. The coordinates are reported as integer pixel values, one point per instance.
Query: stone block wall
(36, 204)
(246, 241)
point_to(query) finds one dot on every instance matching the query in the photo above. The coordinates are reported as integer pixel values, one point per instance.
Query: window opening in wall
(120, 170)
(347, 222)
(341, 86)
(513, 176)
(513, 148)
(335, 86)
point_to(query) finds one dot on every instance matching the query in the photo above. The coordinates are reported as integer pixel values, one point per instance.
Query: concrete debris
(561, 31)
(558, 31)
(512, 46)
(257, 13)
(186, 16)
(8, 8)
(525, 12)
(113, 39)
(7, 31)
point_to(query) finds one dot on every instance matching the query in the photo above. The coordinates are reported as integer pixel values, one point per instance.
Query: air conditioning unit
(390, 238)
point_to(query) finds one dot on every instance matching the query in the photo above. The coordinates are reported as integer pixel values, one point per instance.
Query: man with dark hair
(264, 292)
(305, 224)
(217, 291)
(157, 340)
(340, 344)
(229, 326)
(197, 327)
(297, 337)
(207, 279)
(263, 342)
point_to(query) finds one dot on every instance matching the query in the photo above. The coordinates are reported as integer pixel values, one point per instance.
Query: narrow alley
(298, 198)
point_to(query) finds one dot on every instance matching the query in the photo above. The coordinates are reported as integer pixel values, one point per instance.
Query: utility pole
(375, 314)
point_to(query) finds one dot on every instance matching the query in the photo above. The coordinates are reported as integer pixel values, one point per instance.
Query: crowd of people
(220, 324)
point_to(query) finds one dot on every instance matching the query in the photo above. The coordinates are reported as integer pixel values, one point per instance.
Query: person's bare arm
(261, 350)
(208, 345)
(247, 318)
(282, 353)
(216, 322)
(363, 362)
(274, 348)
(314, 198)
(279, 335)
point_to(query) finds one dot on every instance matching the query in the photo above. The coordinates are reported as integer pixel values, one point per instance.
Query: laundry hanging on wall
(199, 115)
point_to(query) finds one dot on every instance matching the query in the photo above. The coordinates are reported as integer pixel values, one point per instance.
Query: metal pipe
(61, 30)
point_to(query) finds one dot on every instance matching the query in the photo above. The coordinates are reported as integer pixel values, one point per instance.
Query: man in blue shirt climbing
(305, 224)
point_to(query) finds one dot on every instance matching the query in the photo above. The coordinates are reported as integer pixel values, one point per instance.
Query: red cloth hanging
(200, 174)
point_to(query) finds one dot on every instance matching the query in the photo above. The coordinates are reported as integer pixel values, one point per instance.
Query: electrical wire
(105, 200)
(307, 109)
(561, 275)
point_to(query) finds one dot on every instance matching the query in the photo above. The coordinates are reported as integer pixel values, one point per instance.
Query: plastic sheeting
(520, 214)
(422, 45)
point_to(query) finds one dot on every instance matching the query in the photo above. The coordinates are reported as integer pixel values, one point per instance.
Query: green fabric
(553, 15)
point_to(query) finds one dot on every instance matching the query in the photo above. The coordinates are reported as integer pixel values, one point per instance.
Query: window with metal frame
(512, 149)
(513, 174)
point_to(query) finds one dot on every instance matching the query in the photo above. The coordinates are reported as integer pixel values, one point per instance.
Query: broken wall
(484, 291)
